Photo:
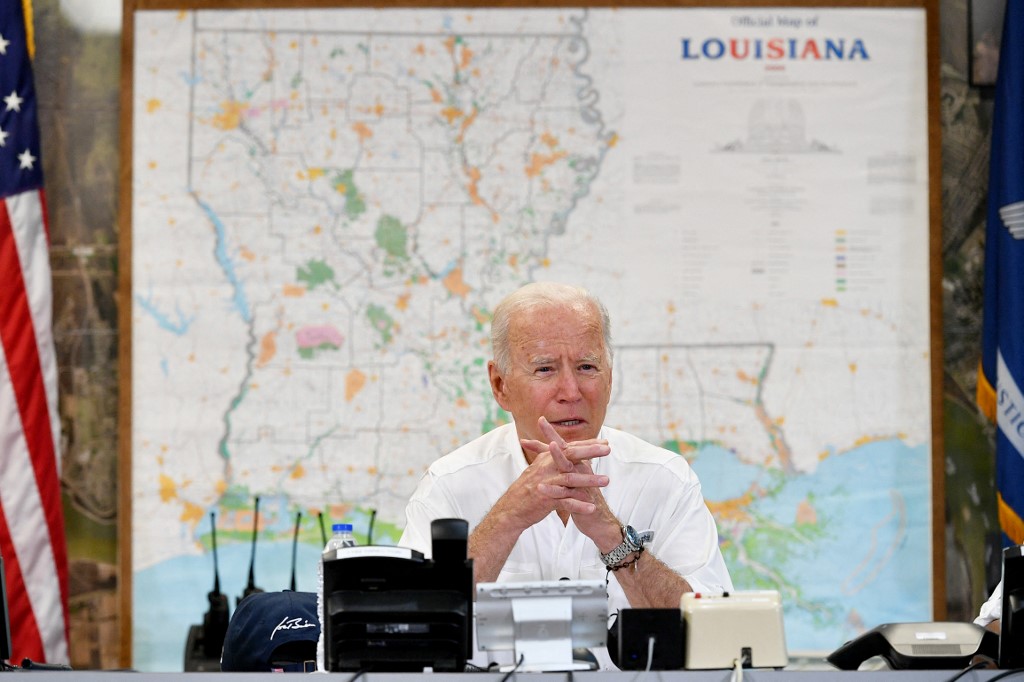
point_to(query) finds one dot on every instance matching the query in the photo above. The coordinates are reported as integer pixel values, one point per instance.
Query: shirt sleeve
(688, 540)
(426, 504)
(993, 608)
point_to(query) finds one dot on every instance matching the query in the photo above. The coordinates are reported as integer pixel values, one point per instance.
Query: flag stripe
(27, 214)
(29, 476)
(26, 632)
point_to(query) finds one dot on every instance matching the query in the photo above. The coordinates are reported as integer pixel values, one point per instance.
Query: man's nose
(568, 387)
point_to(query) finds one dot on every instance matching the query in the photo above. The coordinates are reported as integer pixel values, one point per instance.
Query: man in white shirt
(557, 494)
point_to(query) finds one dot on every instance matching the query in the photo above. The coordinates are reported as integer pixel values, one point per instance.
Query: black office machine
(391, 609)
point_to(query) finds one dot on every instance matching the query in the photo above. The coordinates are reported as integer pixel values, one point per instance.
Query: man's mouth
(568, 423)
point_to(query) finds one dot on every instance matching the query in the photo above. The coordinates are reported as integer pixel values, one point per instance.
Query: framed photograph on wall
(985, 30)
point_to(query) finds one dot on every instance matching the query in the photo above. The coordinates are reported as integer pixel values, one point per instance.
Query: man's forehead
(583, 343)
(556, 320)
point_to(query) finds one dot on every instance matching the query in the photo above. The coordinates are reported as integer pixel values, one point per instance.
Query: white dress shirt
(649, 488)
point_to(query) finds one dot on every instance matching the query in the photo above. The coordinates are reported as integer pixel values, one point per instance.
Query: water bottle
(341, 536)
(343, 533)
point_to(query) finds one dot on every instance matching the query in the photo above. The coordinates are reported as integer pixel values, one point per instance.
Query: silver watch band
(627, 547)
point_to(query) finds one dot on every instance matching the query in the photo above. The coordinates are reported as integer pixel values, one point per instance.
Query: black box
(636, 627)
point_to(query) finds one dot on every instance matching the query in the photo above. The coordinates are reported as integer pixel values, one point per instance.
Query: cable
(512, 672)
(650, 659)
(1005, 674)
(359, 673)
(29, 664)
(972, 666)
(737, 671)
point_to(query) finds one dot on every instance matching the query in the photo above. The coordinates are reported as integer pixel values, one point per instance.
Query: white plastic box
(720, 626)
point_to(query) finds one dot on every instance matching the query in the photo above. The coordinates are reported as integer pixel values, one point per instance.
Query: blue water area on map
(178, 327)
(722, 475)
(873, 563)
(227, 265)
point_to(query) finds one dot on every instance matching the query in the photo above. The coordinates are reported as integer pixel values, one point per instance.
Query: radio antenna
(251, 587)
(295, 545)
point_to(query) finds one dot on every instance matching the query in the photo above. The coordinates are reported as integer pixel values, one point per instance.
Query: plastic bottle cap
(342, 527)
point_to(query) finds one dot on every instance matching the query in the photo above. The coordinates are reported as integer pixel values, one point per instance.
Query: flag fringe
(30, 32)
(1010, 522)
(985, 396)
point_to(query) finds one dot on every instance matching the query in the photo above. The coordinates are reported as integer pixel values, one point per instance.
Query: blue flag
(1001, 379)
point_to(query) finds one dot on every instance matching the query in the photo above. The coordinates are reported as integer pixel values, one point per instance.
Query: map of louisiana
(327, 205)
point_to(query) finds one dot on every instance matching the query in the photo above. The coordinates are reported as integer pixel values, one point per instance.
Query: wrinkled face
(560, 370)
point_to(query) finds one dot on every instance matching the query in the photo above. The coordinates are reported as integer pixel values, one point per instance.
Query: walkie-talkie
(251, 588)
(215, 621)
(205, 641)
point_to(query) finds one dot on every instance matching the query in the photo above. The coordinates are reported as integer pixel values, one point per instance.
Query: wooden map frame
(931, 7)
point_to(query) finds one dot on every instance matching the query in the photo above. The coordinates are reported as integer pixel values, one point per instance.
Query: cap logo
(287, 623)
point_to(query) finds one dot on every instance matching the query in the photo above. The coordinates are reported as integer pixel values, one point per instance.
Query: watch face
(632, 536)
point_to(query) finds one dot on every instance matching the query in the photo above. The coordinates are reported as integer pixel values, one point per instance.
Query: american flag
(32, 537)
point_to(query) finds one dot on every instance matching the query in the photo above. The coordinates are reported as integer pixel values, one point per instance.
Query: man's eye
(588, 368)
(544, 370)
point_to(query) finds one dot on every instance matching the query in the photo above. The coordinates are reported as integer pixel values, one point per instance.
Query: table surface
(594, 676)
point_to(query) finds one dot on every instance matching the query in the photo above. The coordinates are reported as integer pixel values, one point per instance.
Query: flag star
(3, 137)
(3, 44)
(26, 159)
(13, 101)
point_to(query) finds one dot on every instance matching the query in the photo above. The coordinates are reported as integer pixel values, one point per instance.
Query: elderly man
(557, 494)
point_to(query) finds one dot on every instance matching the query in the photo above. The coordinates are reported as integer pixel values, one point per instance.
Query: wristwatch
(632, 541)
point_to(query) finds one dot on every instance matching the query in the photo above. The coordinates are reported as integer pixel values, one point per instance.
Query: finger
(574, 506)
(549, 431)
(583, 480)
(563, 496)
(577, 453)
(553, 490)
(559, 458)
(534, 446)
(590, 441)
(572, 485)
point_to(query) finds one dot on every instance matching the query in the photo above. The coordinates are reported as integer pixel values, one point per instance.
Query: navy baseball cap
(272, 632)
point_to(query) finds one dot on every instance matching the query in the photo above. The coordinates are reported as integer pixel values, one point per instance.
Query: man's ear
(497, 385)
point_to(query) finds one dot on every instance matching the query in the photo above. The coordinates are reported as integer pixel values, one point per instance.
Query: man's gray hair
(535, 295)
